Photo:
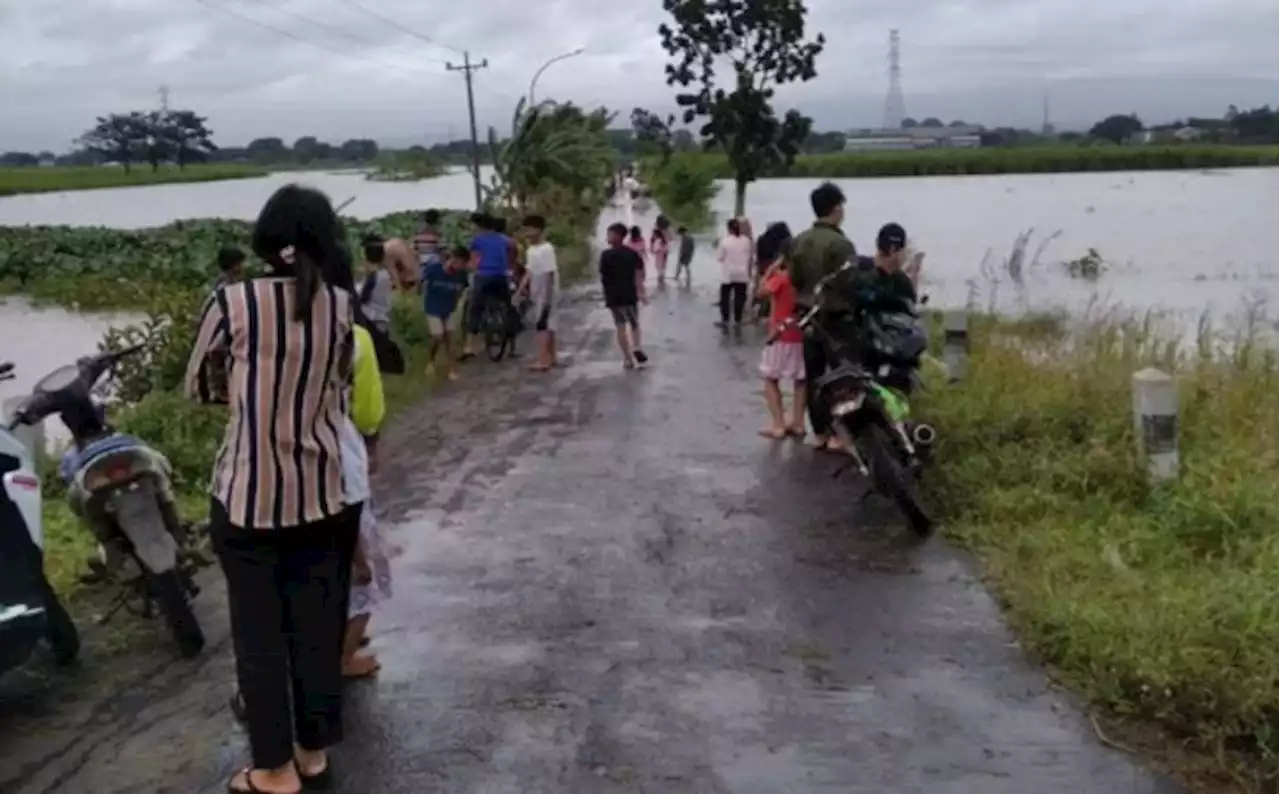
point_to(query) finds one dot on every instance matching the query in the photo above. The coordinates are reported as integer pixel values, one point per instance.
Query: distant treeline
(1253, 126)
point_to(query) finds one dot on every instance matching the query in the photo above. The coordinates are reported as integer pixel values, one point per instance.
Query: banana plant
(550, 144)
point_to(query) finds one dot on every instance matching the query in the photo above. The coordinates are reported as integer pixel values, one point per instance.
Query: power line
(331, 30)
(291, 35)
(393, 23)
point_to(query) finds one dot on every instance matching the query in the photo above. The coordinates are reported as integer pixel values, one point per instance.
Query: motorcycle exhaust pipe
(923, 435)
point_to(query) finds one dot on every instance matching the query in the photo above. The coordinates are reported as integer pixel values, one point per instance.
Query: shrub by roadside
(683, 185)
(1157, 604)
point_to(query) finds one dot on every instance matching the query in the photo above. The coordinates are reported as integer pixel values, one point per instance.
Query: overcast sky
(333, 69)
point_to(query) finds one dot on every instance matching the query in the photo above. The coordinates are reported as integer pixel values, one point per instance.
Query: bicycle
(497, 326)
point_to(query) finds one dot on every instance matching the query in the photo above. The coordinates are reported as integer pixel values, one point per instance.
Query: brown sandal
(248, 781)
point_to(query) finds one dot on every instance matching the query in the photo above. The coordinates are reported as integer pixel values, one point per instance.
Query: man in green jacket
(815, 253)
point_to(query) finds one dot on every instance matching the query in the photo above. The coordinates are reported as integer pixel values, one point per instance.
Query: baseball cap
(892, 237)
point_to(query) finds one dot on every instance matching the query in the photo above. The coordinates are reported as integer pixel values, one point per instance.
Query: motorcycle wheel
(892, 478)
(171, 595)
(60, 629)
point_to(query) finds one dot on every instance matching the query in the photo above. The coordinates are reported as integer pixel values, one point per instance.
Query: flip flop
(796, 432)
(773, 433)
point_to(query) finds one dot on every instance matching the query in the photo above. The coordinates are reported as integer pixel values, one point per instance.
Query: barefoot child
(542, 285)
(442, 286)
(659, 248)
(371, 573)
(784, 359)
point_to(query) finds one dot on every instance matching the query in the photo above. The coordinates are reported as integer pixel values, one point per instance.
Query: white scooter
(30, 610)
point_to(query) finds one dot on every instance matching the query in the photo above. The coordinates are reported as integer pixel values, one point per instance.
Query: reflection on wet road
(610, 584)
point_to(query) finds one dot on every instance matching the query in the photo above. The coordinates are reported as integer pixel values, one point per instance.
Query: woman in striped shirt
(278, 519)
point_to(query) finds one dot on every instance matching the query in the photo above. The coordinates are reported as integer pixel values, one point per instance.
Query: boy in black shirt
(622, 277)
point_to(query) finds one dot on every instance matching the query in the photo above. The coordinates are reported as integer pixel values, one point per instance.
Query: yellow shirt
(368, 404)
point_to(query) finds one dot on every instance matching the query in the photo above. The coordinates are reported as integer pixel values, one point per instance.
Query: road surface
(609, 585)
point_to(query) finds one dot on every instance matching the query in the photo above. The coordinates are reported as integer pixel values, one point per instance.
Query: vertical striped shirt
(280, 460)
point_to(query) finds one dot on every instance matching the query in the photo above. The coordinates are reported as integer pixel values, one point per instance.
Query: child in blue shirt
(443, 283)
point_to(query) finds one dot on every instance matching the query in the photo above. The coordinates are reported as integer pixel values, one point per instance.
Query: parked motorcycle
(872, 419)
(120, 487)
(30, 610)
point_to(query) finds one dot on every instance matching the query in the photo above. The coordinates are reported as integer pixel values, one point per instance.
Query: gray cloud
(330, 68)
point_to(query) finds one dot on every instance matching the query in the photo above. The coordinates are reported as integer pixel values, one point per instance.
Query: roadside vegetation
(406, 167)
(683, 182)
(36, 179)
(164, 274)
(1156, 603)
(684, 186)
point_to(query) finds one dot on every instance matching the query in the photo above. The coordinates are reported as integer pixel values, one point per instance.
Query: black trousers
(815, 366)
(288, 591)
(736, 293)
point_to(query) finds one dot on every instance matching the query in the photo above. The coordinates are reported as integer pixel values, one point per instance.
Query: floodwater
(1186, 242)
(64, 336)
(44, 339)
(156, 205)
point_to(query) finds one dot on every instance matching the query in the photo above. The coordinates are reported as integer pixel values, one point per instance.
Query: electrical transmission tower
(895, 107)
(164, 98)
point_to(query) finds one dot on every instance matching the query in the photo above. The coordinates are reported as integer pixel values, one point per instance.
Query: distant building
(911, 138)
(1168, 134)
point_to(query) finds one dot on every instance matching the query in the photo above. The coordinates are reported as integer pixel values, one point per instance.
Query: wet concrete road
(609, 584)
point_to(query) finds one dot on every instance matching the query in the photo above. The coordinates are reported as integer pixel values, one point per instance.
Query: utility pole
(468, 69)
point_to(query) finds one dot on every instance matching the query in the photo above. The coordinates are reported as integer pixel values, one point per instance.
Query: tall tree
(306, 149)
(358, 150)
(119, 137)
(157, 146)
(267, 150)
(763, 43)
(19, 159)
(652, 133)
(186, 137)
(1117, 128)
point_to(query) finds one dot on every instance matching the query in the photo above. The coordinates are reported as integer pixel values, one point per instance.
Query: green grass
(1158, 604)
(14, 181)
(1016, 160)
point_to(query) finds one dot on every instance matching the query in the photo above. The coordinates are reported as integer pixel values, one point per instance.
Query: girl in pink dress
(635, 241)
(658, 246)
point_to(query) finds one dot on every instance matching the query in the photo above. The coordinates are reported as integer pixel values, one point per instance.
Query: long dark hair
(344, 278)
(298, 234)
(773, 243)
